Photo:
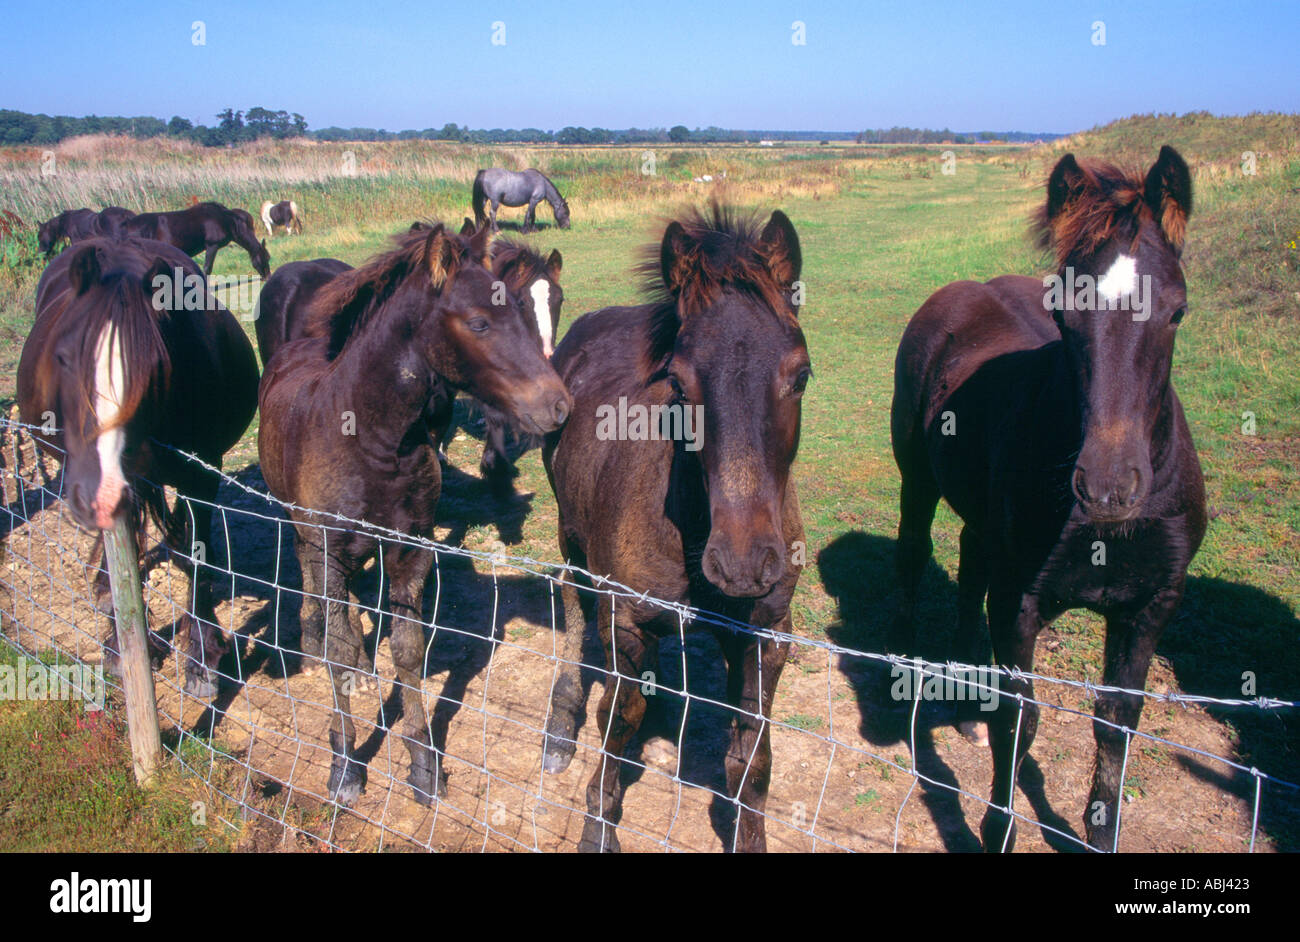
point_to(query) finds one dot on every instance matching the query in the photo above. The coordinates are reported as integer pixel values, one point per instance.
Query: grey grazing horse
(508, 188)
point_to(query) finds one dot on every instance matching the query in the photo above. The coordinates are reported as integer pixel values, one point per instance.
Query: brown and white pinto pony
(284, 214)
(123, 371)
(1046, 418)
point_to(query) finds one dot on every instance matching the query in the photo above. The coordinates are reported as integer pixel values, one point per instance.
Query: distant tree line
(925, 136)
(232, 127)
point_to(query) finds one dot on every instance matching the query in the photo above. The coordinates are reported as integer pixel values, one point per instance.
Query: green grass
(66, 785)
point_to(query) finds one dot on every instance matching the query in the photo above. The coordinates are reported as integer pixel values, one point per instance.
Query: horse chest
(1106, 570)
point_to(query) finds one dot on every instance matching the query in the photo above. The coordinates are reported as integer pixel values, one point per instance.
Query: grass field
(881, 228)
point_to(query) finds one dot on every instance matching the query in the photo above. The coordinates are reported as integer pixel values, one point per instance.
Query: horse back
(283, 301)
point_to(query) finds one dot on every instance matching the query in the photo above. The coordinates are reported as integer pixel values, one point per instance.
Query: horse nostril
(561, 410)
(1081, 486)
(769, 571)
(714, 569)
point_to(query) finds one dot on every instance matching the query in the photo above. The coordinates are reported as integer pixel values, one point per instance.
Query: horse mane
(723, 249)
(1108, 202)
(122, 304)
(348, 302)
(517, 264)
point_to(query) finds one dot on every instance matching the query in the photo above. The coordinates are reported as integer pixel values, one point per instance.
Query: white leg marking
(1120, 280)
(110, 384)
(541, 292)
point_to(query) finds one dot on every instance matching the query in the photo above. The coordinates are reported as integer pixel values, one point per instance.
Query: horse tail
(297, 216)
(480, 195)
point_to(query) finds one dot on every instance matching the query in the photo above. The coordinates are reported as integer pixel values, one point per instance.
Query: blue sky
(647, 63)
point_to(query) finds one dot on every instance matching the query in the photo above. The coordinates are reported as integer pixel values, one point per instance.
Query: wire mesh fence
(854, 768)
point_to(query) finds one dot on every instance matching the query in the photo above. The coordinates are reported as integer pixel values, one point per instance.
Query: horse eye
(801, 381)
(1178, 316)
(479, 325)
(676, 385)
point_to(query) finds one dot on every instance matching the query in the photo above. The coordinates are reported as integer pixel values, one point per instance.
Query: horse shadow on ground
(259, 538)
(858, 571)
(266, 570)
(517, 227)
(1235, 641)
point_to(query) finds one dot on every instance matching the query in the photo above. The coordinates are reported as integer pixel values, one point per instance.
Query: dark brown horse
(77, 224)
(204, 227)
(1042, 411)
(534, 282)
(344, 430)
(284, 300)
(123, 372)
(705, 515)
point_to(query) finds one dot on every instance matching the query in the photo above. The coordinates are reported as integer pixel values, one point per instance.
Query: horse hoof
(598, 838)
(993, 830)
(345, 787)
(200, 686)
(557, 755)
(427, 782)
(976, 731)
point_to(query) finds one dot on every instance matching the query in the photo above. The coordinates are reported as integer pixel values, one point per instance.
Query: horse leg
(207, 644)
(209, 256)
(343, 648)
(753, 668)
(567, 699)
(530, 215)
(1131, 639)
(622, 708)
(1014, 623)
(408, 570)
(495, 464)
(972, 587)
(920, 496)
(494, 215)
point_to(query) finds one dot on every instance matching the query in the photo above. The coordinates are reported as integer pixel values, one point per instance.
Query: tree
(679, 133)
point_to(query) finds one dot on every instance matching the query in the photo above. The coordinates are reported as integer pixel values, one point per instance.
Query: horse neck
(379, 376)
(552, 194)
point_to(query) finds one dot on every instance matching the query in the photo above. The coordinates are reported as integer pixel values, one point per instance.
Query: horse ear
(84, 269)
(672, 257)
(441, 255)
(780, 248)
(157, 285)
(479, 242)
(467, 227)
(1066, 182)
(555, 264)
(417, 226)
(1169, 194)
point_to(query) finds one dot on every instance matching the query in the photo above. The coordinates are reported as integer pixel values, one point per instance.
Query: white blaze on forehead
(541, 292)
(1120, 279)
(110, 385)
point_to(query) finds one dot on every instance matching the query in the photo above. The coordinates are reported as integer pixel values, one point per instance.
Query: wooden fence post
(133, 641)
